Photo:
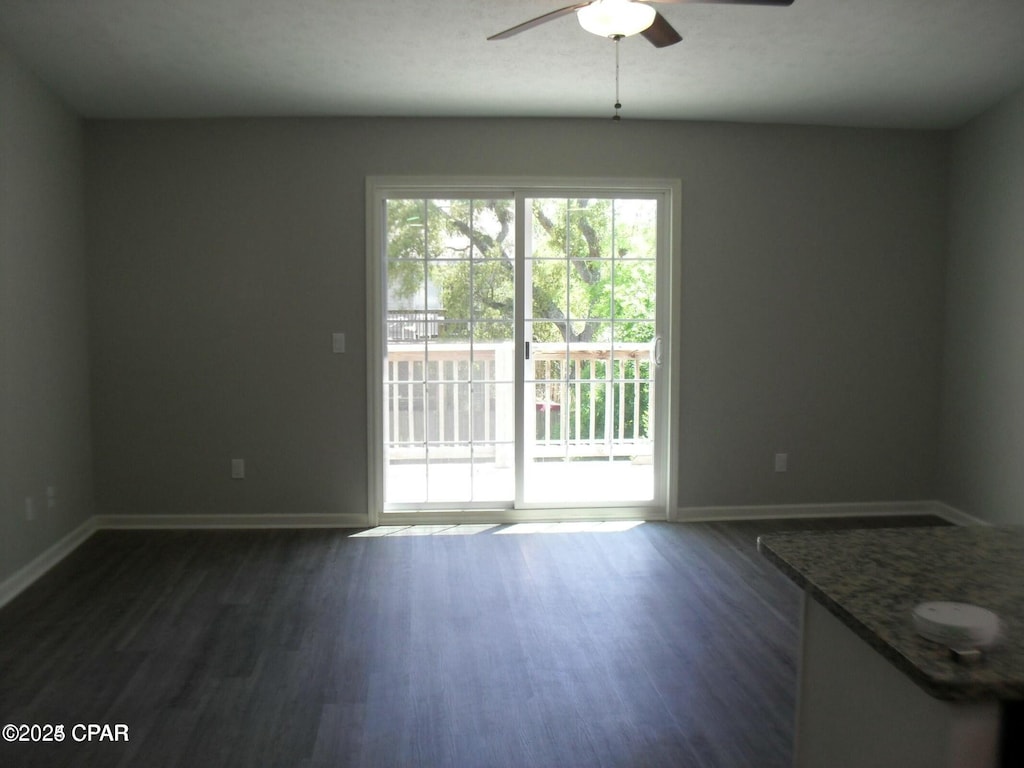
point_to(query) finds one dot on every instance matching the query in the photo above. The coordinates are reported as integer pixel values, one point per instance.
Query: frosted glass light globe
(611, 18)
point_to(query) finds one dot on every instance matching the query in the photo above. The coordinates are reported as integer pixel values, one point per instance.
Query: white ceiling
(903, 63)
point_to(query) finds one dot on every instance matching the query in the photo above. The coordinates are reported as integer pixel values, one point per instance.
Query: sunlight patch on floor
(425, 530)
(574, 526)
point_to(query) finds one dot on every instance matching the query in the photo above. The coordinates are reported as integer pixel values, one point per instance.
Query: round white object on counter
(957, 625)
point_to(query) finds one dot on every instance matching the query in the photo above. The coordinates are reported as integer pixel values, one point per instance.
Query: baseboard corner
(956, 516)
(37, 567)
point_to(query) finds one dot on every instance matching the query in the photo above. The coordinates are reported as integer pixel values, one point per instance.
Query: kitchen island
(872, 691)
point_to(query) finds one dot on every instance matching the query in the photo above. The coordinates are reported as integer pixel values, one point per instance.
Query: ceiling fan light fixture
(613, 18)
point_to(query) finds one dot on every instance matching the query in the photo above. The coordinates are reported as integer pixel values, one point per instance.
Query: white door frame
(665, 438)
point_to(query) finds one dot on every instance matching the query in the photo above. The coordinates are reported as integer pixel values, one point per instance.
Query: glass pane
(590, 229)
(493, 334)
(494, 290)
(549, 334)
(406, 229)
(493, 408)
(454, 344)
(494, 230)
(547, 427)
(449, 475)
(549, 289)
(492, 362)
(576, 228)
(548, 228)
(591, 479)
(448, 356)
(449, 229)
(450, 366)
(413, 307)
(590, 291)
(633, 332)
(634, 290)
(403, 414)
(494, 475)
(448, 412)
(548, 361)
(405, 473)
(636, 229)
(405, 362)
(632, 361)
(448, 289)
(631, 371)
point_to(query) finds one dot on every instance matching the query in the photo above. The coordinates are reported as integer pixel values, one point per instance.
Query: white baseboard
(29, 573)
(200, 522)
(781, 511)
(954, 515)
(25, 576)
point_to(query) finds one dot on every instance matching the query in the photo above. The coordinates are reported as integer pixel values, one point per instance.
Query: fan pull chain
(618, 105)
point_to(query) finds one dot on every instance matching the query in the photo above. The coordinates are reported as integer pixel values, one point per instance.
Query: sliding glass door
(519, 340)
(591, 267)
(449, 373)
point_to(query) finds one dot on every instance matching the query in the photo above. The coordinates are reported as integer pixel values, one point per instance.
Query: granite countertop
(872, 579)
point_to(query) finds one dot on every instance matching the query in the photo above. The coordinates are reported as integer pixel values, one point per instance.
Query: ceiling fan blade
(725, 2)
(537, 21)
(661, 34)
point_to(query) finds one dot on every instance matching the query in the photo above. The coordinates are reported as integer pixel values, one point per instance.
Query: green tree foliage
(464, 250)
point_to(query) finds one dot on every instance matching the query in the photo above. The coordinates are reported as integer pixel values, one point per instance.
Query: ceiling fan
(622, 18)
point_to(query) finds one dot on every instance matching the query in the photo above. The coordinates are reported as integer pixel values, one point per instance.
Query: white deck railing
(458, 400)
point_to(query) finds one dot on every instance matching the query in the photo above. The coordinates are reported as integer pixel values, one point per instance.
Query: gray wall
(44, 375)
(982, 465)
(224, 253)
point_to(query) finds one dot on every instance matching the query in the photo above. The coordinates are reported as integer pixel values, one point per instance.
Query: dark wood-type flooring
(664, 645)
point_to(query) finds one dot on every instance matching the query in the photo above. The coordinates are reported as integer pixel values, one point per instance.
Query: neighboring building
(416, 316)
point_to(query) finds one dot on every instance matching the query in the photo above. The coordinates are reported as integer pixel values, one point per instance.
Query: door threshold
(505, 516)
